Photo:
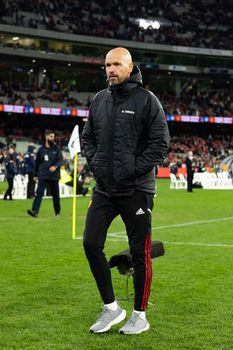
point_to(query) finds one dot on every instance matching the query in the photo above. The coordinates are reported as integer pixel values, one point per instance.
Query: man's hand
(35, 178)
(53, 168)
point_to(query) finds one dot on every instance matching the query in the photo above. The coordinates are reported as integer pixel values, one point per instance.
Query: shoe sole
(31, 214)
(117, 320)
(141, 330)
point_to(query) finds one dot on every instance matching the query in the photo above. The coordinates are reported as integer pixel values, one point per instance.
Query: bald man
(125, 137)
(118, 65)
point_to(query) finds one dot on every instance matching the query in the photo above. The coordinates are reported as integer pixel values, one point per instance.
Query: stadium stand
(209, 145)
(191, 102)
(186, 62)
(205, 24)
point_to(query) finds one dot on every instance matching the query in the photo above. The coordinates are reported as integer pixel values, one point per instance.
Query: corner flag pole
(74, 148)
(74, 196)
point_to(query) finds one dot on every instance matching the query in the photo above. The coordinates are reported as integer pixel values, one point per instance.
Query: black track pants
(10, 181)
(53, 185)
(135, 211)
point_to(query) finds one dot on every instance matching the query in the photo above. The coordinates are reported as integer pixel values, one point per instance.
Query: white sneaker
(107, 319)
(135, 325)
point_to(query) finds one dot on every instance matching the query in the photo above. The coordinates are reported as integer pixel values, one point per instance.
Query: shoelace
(132, 320)
(103, 313)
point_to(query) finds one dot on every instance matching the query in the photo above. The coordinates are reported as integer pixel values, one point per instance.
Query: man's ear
(130, 67)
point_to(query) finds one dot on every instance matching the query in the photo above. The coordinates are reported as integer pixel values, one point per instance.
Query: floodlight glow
(15, 38)
(144, 23)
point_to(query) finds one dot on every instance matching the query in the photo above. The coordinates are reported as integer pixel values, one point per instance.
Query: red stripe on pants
(148, 274)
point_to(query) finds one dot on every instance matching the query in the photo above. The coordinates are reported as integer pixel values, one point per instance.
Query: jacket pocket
(125, 174)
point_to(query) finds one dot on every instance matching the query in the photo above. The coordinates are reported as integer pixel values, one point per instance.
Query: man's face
(50, 137)
(118, 68)
(11, 150)
(190, 154)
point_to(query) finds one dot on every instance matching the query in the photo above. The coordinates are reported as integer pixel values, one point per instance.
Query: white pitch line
(175, 243)
(118, 239)
(190, 223)
(200, 244)
(117, 236)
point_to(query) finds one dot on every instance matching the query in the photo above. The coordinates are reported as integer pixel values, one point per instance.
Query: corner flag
(74, 148)
(74, 142)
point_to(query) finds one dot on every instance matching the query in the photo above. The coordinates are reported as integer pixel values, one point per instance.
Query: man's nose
(111, 70)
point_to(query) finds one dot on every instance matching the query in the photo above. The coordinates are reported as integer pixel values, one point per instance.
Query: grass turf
(48, 298)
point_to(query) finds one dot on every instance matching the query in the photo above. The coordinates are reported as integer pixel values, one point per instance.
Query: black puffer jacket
(125, 136)
(45, 158)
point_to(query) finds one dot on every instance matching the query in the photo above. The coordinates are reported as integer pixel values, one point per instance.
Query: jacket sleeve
(156, 136)
(31, 161)
(10, 168)
(37, 162)
(89, 141)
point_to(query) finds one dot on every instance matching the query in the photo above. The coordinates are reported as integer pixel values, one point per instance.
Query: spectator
(190, 171)
(189, 24)
(29, 161)
(12, 167)
(173, 168)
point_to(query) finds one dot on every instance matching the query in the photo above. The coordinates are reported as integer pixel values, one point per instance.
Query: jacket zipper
(111, 143)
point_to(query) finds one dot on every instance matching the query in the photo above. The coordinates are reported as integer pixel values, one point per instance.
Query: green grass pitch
(48, 298)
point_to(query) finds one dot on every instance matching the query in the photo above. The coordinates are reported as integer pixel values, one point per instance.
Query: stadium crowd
(17, 93)
(190, 102)
(208, 152)
(209, 149)
(196, 102)
(21, 131)
(203, 24)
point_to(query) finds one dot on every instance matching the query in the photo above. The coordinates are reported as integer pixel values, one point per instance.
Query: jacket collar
(126, 86)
